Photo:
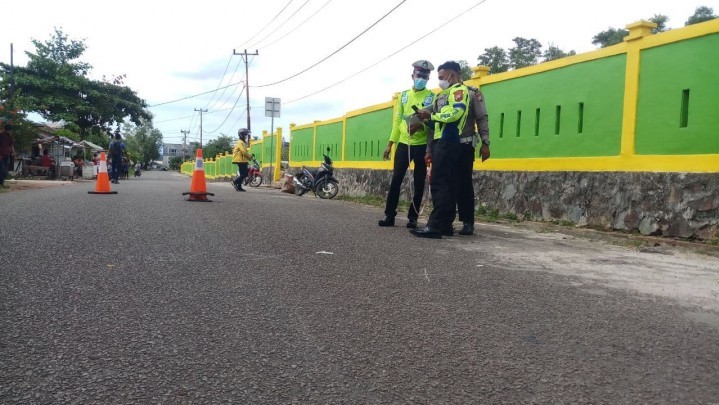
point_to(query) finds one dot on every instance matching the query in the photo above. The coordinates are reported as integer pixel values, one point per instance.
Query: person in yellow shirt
(240, 157)
(410, 136)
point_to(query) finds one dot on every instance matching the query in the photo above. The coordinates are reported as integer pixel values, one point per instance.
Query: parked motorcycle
(254, 175)
(321, 180)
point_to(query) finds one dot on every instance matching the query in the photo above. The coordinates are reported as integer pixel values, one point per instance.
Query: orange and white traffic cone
(102, 185)
(198, 188)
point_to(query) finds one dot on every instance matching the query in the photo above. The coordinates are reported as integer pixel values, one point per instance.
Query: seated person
(46, 160)
(79, 163)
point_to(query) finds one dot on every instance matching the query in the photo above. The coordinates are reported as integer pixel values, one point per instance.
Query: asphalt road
(265, 297)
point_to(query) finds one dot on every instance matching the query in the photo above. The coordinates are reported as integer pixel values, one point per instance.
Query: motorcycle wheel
(256, 180)
(327, 189)
(299, 191)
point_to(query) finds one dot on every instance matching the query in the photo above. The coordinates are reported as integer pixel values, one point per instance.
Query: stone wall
(684, 205)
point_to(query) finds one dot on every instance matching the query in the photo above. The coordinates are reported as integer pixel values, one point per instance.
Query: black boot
(387, 221)
(467, 229)
(448, 231)
(412, 223)
(427, 232)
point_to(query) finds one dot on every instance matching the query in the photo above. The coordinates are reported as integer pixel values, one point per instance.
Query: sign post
(272, 109)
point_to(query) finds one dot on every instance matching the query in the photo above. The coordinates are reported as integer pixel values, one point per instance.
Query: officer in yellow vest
(410, 135)
(449, 114)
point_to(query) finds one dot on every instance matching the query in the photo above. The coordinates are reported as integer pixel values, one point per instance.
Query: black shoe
(240, 189)
(387, 221)
(426, 232)
(448, 231)
(237, 188)
(412, 223)
(467, 229)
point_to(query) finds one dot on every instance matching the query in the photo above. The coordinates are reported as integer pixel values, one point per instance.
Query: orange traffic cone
(102, 185)
(198, 188)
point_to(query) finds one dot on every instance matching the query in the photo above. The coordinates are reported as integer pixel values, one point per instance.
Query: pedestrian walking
(240, 157)
(117, 152)
(410, 136)
(7, 151)
(449, 112)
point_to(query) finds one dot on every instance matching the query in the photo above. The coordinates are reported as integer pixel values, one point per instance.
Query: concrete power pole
(201, 111)
(247, 81)
(184, 140)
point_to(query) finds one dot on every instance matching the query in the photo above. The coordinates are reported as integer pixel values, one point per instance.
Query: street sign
(272, 107)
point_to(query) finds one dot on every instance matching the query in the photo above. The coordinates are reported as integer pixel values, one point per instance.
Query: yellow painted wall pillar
(289, 152)
(637, 31)
(278, 154)
(314, 139)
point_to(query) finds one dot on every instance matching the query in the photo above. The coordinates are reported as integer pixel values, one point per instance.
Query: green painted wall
(301, 145)
(678, 105)
(571, 111)
(269, 144)
(367, 135)
(256, 149)
(329, 135)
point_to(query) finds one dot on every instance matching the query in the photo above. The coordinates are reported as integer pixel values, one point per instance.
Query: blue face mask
(420, 83)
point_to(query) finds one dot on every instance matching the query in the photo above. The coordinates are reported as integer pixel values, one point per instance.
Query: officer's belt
(466, 139)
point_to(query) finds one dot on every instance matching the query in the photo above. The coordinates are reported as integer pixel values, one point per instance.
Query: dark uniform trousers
(401, 163)
(465, 195)
(444, 185)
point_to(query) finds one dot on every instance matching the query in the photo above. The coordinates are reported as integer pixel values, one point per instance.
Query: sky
(361, 50)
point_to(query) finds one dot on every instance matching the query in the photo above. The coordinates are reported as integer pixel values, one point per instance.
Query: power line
(281, 24)
(338, 50)
(221, 80)
(194, 95)
(298, 26)
(442, 25)
(268, 24)
(230, 113)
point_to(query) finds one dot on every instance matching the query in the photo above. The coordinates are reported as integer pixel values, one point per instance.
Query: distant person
(117, 152)
(7, 152)
(138, 169)
(241, 156)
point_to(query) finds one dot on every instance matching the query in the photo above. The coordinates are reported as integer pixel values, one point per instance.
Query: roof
(92, 146)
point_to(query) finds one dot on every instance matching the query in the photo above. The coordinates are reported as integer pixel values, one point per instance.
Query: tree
(175, 162)
(661, 21)
(496, 58)
(222, 143)
(466, 72)
(143, 142)
(55, 85)
(701, 14)
(611, 36)
(553, 52)
(526, 52)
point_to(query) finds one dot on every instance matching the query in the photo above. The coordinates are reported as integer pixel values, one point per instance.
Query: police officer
(410, 135)
(449, 113)
(468, 141)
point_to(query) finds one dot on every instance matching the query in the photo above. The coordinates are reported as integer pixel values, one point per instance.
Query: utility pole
(12, 74)
(184, 140)
(247, 81)
(201, 111)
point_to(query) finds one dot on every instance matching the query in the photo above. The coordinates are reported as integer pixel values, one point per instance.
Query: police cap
(423, 65)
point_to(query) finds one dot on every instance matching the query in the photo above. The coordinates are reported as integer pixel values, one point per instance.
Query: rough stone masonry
(684, 205)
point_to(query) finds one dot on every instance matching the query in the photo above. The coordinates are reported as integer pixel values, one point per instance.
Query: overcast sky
(175, 49)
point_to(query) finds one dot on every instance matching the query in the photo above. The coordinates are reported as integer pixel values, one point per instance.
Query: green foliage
(661, 21)
(175, 162)
(496, 58)
(466, 72)
(222, 143)
(701, 14)
(553, 52)
(611, 36)
(55, 85)
(14, 119)
(526, 52)
(143, 142)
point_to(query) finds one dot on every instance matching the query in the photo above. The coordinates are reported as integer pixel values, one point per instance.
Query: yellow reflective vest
(403, 110)
(450, 112)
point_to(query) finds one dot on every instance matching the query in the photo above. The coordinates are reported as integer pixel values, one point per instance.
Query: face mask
(420, 83)
(443, 84)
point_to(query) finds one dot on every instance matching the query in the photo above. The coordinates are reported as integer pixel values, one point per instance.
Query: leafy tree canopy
(55, 85)
(701, 14)
(526, 52)
(661, 21)
(496, 58)
(611, 36)
(553, 52)
(222, 143)
(143, 142)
